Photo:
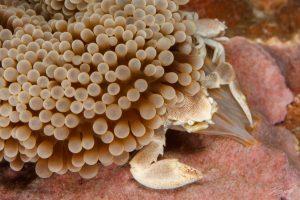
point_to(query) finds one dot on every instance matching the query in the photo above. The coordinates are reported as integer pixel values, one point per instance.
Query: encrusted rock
(260, 78)
(286, 55)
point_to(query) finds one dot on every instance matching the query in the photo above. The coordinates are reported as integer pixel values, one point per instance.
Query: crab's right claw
(163, 174)
(166, 174)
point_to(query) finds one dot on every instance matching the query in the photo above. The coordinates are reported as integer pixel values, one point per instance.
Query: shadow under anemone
(16, 180)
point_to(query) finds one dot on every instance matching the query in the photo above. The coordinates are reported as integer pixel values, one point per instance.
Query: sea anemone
(86, 82)
(79, 89)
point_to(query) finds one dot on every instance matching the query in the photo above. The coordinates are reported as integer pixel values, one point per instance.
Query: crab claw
(163, 174)
(166, 174)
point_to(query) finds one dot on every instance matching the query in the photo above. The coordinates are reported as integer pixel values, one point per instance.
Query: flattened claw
(163, 174)
(167, 174)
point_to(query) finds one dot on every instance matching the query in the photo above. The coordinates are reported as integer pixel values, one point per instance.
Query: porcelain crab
(220, 108)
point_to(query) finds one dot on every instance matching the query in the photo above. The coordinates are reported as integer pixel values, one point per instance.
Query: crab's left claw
(163, 174)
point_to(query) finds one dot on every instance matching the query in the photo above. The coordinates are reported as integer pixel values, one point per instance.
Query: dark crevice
(16, 180)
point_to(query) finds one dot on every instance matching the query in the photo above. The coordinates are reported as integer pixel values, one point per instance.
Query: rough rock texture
(231, 170)
(260, 78)
(280, 18)
(287, 57)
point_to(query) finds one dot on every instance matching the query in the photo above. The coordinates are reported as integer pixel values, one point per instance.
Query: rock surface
(287, 57)
(260, 78)
(280, 18)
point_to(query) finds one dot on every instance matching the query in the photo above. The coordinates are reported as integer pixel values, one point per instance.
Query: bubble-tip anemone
(87, 82)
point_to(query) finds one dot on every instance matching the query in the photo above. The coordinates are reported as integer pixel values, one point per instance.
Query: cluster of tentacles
(86, 82)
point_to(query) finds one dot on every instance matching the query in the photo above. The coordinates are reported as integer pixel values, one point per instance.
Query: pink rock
(232, 171)
(260, 78)
(287, 57)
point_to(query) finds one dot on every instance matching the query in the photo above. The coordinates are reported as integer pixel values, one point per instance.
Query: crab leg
(219, 52)
(163, 174)
(241, 99)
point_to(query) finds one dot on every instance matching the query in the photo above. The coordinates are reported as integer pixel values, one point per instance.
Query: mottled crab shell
(89, 88)
(209, 28)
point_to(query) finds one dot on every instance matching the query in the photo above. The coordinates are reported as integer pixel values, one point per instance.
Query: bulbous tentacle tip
(181, 2)
(166, 174)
